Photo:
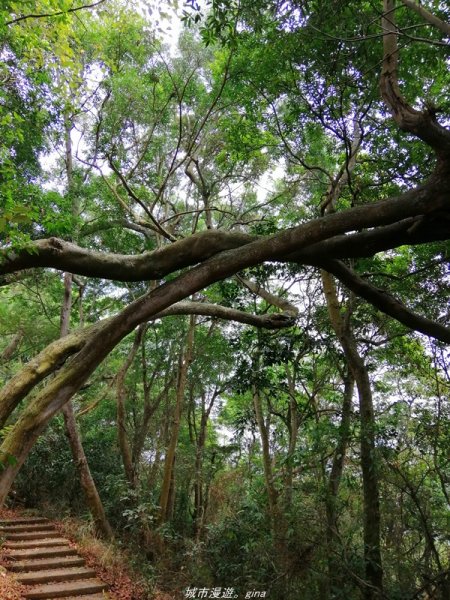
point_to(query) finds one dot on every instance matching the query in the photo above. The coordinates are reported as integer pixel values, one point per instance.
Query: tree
(174, 146)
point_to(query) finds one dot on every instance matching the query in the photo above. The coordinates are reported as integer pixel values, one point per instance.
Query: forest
(224, 289)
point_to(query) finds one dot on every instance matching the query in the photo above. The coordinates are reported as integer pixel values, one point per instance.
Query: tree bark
(293, 425)
(87, 482)
(71, 377)
(373, 589)
(428, 16)
(46, 362)
(386, 302)
(124, 444)
(185, 360)
(337, 467)
(272, 494)
(199, 496)
(88, 486)
(8, 352)
(339, 455)
(423, 123)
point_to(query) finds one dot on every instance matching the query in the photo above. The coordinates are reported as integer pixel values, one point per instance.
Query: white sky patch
(267, 181)
(165, 20)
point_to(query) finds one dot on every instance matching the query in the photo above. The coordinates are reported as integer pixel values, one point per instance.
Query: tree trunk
(124, 444)
(154, 467)
(79, 457)
(339, 456)
(200, 498)
(293, 433)
(272, 494)
(171, 499)
(371, 503)
(88, 486)
(91, 495)
(337, 467)
(198, 478)
(8, 352)
(185, 360)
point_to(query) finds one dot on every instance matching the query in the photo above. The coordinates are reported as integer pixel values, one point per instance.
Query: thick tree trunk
(185, 360)
(371, 502)
(45, 363)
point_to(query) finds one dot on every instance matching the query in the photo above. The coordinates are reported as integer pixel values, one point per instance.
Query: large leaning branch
(58, 254)
(38, 368)
(65, 256)
(55, 354)
(386, 302)
(411, 231)
(72, 376)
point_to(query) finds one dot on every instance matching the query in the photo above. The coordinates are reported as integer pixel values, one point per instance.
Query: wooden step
(25, 528)
(27, 544)
(42, 564)
(41, 553)
(38, 535)
(53, 575)
(23, 521)
(64, 590)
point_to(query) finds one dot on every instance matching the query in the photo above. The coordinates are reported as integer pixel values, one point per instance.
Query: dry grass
(110, 562)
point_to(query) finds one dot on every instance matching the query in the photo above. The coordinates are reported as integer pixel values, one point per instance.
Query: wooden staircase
(46, 564)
